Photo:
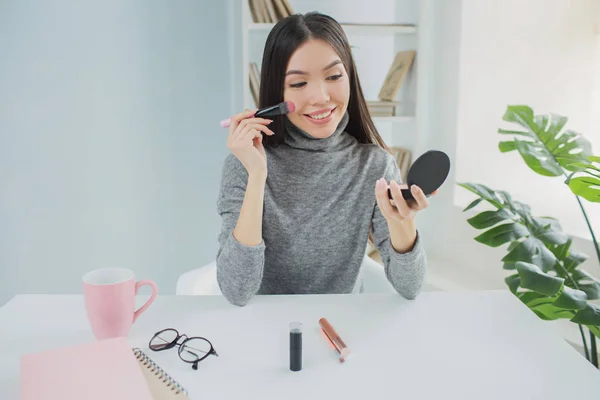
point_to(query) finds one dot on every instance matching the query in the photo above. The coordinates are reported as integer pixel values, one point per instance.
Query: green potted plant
(543, 268)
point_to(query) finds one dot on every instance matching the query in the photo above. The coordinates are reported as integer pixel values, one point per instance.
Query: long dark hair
(285, 37)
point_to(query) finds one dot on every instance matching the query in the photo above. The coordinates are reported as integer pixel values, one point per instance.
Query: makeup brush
(282, 108)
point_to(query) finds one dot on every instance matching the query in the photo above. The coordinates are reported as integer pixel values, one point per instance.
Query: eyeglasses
(191, 349)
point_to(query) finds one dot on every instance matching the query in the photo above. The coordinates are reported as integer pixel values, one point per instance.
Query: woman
(298, 204)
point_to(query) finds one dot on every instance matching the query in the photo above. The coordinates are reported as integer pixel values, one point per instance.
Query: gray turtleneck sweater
(319, 204)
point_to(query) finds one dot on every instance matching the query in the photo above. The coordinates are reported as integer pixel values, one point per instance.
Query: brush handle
(279, 109)
(226, 122)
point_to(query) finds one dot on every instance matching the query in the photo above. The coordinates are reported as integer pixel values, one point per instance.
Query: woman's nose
(320, 94)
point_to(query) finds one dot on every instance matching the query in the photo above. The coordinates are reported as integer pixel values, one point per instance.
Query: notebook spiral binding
(163, 375)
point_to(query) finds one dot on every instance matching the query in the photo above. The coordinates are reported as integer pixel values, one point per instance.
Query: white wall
(542, 53)
(110, 151)
(436, 224)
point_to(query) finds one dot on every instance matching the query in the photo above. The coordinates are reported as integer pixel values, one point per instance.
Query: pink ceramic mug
(110, 301)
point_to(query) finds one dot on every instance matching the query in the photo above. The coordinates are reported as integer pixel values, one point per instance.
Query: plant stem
(592, 336)
(585, 348)
(587, 221)
(593, 349)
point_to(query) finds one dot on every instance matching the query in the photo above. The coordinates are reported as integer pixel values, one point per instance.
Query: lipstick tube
(334, 351)
(335, 339)
(296, 346)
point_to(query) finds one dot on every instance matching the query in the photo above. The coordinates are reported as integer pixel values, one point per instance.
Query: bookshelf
(377, 34)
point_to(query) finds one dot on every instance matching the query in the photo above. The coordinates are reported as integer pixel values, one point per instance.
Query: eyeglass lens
(163, 339)
(194, 349)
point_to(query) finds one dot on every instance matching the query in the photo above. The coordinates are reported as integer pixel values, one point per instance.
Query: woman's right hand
(245, 141)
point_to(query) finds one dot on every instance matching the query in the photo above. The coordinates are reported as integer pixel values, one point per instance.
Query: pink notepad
(100, 370)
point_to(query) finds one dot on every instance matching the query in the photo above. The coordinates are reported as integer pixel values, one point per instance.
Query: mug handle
(143, 308)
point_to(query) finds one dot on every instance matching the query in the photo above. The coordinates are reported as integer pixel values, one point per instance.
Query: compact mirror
(428, 172)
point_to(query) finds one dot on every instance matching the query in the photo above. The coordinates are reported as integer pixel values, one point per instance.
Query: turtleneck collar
(299, 139)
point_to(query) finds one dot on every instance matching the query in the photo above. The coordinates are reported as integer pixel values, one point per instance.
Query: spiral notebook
(100, 370)
(161, 384)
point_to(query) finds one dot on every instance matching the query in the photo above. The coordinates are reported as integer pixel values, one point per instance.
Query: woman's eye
(302, 84)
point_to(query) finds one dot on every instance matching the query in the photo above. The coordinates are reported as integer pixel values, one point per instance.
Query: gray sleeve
(405, 271)
(239, 267)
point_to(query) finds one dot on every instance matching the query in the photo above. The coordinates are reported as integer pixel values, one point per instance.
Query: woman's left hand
(403, 210)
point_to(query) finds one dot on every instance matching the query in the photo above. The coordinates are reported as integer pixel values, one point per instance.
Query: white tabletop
(443, 345)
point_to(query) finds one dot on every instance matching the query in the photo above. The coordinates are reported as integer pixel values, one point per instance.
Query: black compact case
(428, 172)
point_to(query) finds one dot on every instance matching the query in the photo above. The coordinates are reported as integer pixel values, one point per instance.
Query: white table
(443, 345)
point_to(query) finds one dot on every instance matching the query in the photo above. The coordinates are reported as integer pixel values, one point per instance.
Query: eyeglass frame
(175, 342)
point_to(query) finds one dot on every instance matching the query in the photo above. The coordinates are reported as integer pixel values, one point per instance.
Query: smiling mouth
(323, 115)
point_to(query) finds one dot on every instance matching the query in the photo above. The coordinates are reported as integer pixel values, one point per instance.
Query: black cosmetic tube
(296, 346)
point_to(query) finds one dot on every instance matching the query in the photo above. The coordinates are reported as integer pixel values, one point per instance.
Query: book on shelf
(269, 11)
(256, 10)
(254, 78)
(268, 5)
(382, 108)
(284, 7)
(396, 75)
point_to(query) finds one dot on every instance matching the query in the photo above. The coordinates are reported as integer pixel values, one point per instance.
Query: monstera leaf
(551, 299)
(543, 144)
(570, 261)
(545, 274)
(588, 185)
(513, 223)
